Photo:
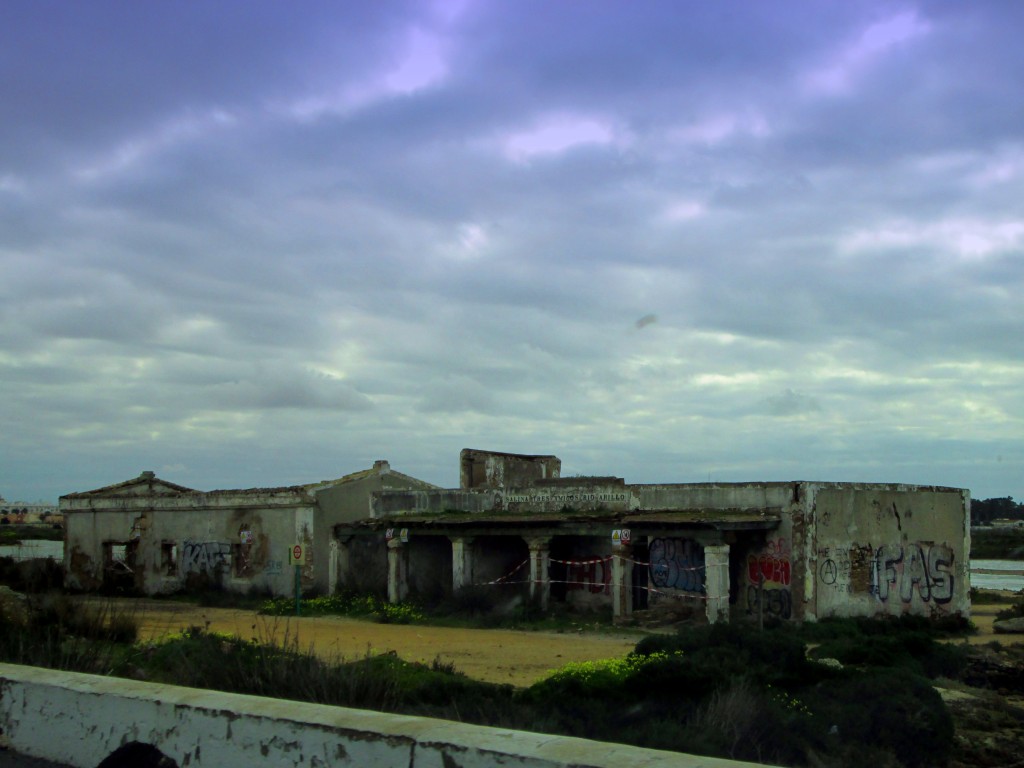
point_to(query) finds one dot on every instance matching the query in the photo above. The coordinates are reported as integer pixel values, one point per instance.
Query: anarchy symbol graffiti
(829, 571)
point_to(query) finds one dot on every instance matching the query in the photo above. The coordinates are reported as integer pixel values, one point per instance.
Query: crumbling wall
(581, 571)
(890, 550)
(491, 469)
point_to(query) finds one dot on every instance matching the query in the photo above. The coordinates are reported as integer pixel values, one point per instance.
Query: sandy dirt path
(494, 655)
(983, 616)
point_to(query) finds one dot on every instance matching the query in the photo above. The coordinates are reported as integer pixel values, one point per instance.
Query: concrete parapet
(95, 715)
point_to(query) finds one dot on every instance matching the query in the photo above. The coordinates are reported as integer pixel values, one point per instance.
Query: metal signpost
(297, 557)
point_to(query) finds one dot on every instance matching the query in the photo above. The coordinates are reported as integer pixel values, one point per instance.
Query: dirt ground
(494, 655)
(983, 615)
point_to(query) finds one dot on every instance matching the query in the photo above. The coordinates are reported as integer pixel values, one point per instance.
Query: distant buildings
(23, 512)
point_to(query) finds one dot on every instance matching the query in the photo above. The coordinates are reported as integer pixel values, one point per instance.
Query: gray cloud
(228, 232)
(790, 403)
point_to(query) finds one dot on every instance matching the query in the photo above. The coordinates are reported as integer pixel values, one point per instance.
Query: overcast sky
(254, 244)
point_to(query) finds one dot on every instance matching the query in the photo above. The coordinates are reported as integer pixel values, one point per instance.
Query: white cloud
(422, 64)
(684, 210)
(555, 134)
(134, 152)
(722, 127)
(877, 40)
(11, 184)
(419, 61)
(961, 238)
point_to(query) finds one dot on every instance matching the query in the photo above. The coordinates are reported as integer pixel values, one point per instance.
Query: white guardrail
(80, 719)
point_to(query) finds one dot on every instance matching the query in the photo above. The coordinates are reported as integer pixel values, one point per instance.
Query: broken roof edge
(369, 472)
(865, 485)
(485, 452)
(147, 477)
(637, 515)
(596, 523)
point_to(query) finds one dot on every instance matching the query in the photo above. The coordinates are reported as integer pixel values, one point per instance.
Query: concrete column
(622, 582)
(332, 568)
(462, 562)
(716, 565)
(398, 571)
(339, 568)
(540, 580)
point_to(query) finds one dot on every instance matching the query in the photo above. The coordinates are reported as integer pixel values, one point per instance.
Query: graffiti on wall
(677, 564)
(922, 568)
(846, 570)
(769, 574)
(206, 557)
(593, 575)
(243, 552)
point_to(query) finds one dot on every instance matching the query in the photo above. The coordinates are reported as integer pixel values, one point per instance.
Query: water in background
(30, 550)
(998, 574)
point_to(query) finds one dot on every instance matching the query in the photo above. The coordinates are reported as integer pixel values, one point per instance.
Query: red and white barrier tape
(502, 579)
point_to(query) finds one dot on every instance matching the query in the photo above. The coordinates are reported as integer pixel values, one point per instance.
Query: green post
(298, 588)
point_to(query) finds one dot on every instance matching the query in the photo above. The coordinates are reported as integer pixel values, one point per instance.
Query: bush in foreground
(346, 604)
(724, 690)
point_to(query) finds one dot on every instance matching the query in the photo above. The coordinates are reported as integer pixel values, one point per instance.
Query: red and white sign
(297, 555)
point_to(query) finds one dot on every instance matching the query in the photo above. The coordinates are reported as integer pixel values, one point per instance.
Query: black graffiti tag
(205, 556)
(829, 571)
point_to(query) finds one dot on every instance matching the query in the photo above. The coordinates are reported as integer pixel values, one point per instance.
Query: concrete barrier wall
(80, 719)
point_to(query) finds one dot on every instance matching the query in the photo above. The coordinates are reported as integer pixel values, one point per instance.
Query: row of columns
(716, 565)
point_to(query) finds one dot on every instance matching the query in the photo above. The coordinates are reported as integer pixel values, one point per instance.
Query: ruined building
(517, 532)
(791, 550)
(153, 536)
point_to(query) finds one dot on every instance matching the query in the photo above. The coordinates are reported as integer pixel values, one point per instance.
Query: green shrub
(915, 651)
(59, 632)
(604, 678)
(892, 709)
(727, 651)
(1015, 611)
(203, 659)
(37, 575)
(346, 604)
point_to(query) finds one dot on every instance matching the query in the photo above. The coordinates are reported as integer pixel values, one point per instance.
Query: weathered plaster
(96, 715)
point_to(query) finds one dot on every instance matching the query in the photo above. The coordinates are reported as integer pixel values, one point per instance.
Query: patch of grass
(37, 575)
(728, 690)
(15, 534)
(989, 597)
(59, 632)
(724, 690)
(346, 604)
(203, 659)
(997, 544)
(1015, 611)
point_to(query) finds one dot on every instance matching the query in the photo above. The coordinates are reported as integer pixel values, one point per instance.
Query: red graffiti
(774, 569)
(595, 575)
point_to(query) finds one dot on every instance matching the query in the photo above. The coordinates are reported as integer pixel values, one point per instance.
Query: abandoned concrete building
(155, 537)
(790, 550)
(518, 533)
